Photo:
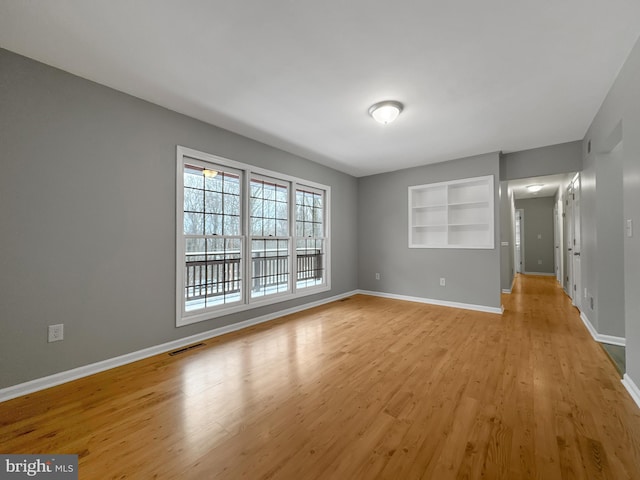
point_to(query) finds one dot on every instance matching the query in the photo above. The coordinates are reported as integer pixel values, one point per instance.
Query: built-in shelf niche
(453, 214)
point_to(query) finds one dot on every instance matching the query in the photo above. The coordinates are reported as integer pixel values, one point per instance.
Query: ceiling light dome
(535, 188)
(385, 112)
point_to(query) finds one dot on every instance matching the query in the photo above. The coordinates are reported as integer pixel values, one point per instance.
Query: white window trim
(188, 155)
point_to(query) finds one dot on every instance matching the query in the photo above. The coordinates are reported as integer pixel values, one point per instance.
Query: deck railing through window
(217, 275)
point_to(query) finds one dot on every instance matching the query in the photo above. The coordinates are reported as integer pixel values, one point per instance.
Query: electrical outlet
(377, 276)
(539, 262)
(443, 282)
(56, 332)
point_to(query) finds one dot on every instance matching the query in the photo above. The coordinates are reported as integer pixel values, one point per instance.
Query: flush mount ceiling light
(385, 112)
(209, 173)
(535, 188)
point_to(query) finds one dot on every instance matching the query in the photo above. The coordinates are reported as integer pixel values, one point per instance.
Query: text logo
(50, 467)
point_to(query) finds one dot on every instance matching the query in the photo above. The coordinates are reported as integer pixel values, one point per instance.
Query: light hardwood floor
(363, 388)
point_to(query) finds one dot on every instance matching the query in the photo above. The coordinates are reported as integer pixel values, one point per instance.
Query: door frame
(574, 241)
(557, 240)
(518, 240)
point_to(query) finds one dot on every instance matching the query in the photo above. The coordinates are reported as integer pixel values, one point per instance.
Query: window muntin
(269, 227)
(268, 207)
(310, 233)
(230, 217)
(211, 201)
(212, 241)
(213, 272)
(270, 260)
(309, 213)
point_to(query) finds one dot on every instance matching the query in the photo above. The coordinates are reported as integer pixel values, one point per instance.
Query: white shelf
(467, 224)
(419, 207)
(454, 214)
(463, 204)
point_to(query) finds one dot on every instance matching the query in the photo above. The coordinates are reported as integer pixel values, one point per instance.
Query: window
(309, 237)
(246, 237)
(212, 240)
(269, 227)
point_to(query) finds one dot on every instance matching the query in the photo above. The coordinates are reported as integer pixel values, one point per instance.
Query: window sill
(216, 312)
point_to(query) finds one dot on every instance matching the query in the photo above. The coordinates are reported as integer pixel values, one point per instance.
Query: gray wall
(550, 160)
(538, 234)
(610, 237)
(602, 249)
(472, 276)
(87, 219)
(588, 241)
(619, 118)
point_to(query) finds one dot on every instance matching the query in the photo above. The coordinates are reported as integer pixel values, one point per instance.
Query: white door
(519, 237)
(568, 284)
(577, 283)
(556, 241)
(567, 244)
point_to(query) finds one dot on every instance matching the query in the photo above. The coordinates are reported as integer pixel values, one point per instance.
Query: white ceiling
(475, 76)
(550, 185)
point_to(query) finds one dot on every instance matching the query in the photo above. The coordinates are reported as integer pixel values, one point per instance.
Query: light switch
(629, 227)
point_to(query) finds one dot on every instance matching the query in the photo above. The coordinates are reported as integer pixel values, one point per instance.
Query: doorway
(519, 240)
(573, 244)
(547, 231)
(557, 240)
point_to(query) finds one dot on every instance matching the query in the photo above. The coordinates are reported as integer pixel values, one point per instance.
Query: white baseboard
(541, 274)
(63, 377)
(431, 301)
(598, 337)
(611, 340)
(510, 289)
(632, 388)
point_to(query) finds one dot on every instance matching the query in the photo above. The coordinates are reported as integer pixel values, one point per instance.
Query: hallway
(576, 393)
